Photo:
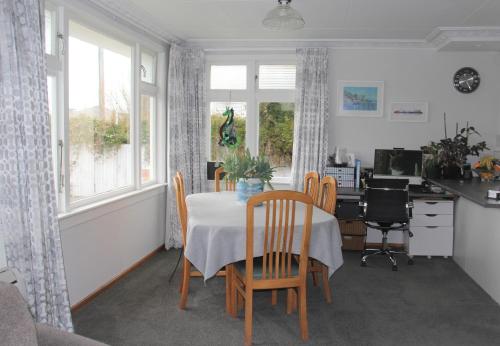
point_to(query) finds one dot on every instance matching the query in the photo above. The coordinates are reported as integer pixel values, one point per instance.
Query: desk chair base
(386, 250)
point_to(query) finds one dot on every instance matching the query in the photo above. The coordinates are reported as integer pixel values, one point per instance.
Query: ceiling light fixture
(283, 17)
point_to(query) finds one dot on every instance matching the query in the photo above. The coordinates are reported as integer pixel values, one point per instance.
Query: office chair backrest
(386, 201)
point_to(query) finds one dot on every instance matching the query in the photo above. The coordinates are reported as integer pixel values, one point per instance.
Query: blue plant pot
(248, 188)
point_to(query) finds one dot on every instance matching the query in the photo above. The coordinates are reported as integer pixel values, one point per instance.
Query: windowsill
(97, 209)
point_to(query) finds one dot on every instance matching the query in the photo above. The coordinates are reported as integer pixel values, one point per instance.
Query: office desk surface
(353, 192)
(473, 190)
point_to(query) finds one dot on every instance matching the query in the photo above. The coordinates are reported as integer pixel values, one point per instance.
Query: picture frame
(411, 111)
(360, 98)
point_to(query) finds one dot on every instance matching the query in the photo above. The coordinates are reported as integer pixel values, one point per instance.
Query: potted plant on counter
(450, 154)
(250, 173)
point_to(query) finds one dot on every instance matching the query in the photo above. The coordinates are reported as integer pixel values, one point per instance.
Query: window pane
(148, 65)
(228, 77)
(277, 76)
(99, 113)
(147, 145)
(217, 119)
(276, 135)
(49, 32)
(51, 88)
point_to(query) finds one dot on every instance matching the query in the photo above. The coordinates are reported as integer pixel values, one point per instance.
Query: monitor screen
(393, 162)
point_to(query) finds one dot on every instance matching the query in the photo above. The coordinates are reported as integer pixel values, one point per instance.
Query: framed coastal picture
(365, 99)
(415, 112)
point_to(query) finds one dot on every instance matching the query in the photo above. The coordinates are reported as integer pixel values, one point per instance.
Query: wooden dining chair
(277, 268)
(311, 185)
(327, 201)
(229, 185)
(187, 273)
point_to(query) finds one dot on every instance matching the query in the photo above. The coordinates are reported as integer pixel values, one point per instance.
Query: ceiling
(211, 20)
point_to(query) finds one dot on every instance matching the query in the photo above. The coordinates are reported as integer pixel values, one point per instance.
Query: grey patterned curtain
(186, 130)
(28, 210)
(310, 140)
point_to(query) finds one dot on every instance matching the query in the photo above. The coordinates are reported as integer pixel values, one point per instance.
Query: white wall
(102, 243)
(413, 74)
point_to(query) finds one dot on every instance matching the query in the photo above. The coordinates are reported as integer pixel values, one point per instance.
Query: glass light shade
(283, 17)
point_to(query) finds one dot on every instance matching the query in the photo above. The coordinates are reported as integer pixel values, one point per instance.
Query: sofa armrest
(50, 336)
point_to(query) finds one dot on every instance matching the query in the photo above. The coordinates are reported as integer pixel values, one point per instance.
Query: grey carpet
(431, 303)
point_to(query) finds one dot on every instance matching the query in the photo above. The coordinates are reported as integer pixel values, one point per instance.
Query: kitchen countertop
(473, 190)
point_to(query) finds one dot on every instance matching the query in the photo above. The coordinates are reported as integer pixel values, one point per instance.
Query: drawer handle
(430, 215)
(431, 226)
(431, 202)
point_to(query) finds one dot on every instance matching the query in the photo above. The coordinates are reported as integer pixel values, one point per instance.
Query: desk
(431, 225)
(216, 233)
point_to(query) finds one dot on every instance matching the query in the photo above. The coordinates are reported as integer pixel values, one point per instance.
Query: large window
(102, 103)
(261, 96)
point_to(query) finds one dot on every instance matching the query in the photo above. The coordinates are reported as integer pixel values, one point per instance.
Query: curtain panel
(28, 210)
(187, 130)
(310, 140)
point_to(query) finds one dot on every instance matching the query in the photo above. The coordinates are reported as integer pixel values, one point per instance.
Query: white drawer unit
(432, 228)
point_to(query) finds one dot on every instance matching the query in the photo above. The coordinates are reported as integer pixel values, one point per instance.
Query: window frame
(57, 66)
(253, 96)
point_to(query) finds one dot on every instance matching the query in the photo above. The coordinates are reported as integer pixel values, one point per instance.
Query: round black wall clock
(466, 80)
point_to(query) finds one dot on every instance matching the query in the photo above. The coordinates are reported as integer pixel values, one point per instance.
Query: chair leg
(248, 316)
(229, 299)
(289, 301)
(185, 283)
(274, 297)
(313, 273)
(326, 284)
(182, 277)
(304, 331)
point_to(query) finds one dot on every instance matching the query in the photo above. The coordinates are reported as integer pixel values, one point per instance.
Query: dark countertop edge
(477, 197)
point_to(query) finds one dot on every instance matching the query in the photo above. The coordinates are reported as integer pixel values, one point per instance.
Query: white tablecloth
(216, 233)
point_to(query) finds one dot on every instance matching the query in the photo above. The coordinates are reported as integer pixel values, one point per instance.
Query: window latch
(61, 40)
(60, 147)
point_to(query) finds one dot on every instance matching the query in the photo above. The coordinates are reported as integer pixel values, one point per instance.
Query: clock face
(466, 80)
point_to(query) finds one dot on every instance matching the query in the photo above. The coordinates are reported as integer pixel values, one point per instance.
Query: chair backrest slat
(327, 199)
(181, 205)
(279, 230)
(311, 185)
(229, 185)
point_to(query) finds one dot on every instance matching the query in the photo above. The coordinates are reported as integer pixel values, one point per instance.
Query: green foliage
(98, 134)
(453, 152)
(276, 132)
(241, 165)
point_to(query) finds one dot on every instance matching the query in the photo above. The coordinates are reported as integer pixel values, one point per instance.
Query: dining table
(216, 233)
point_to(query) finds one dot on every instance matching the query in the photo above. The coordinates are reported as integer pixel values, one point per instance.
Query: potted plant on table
(450, 154)
(249, 173)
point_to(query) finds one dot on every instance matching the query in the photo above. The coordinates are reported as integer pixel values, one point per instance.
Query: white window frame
(57, 67)
(252, 95)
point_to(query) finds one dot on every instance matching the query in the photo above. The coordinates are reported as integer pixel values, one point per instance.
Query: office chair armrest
(410, 206)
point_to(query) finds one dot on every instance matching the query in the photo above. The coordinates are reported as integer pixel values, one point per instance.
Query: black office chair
(386, 207)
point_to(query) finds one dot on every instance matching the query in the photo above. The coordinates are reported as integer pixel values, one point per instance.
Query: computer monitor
(395, 163)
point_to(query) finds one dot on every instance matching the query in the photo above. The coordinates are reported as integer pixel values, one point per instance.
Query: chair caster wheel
(363, 264)
(394, 268)
(410, 261)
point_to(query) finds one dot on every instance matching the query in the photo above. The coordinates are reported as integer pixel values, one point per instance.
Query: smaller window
(147, 138)
(148, 67)
(228, 77)
(277, 77)
(49, 32)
